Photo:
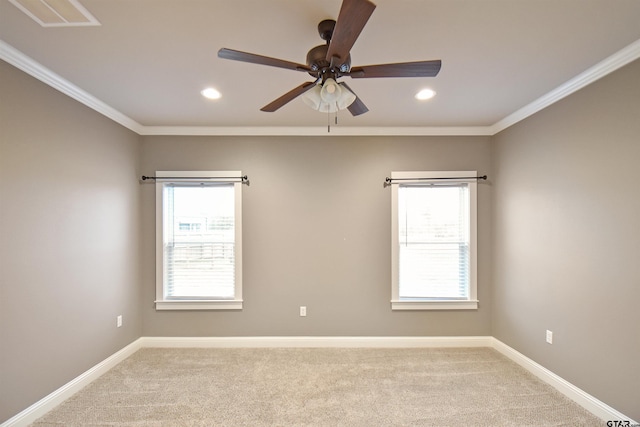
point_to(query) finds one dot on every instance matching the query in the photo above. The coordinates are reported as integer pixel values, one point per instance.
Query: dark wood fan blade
(352, 18)
(287, 97)
(237, 55)
(401, 69)
(357, 107)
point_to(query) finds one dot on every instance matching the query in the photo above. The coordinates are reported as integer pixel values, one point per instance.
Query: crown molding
(315, 131)
(21, 61)
(35, 69)
(618, 60)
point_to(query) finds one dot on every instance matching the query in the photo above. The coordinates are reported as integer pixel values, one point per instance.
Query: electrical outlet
(303, 311)
(549, 337)
(119, 321)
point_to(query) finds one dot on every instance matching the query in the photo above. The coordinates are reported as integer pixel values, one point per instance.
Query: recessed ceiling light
(211, 93)
(425, 94)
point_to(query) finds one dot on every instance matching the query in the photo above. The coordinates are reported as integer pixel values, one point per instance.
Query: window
(434, 240)
(198, 240)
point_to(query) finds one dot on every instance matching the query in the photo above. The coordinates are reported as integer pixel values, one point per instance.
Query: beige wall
(567, 238)
(69, 232)
(317, 230)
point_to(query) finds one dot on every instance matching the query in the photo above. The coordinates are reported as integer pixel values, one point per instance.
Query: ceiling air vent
(56, 13)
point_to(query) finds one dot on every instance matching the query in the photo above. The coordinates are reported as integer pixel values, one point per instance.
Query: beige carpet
(318, 387)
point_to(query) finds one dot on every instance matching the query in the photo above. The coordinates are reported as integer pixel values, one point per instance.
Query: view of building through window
(433, 241)
(199, 241)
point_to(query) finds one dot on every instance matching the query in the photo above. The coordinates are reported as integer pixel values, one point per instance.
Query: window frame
(421, 178)
(161, 302)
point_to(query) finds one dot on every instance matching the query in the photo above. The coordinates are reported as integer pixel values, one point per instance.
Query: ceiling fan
(328, 62)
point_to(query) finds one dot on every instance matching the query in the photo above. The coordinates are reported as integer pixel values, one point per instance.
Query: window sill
(199, 305)
(434, 305)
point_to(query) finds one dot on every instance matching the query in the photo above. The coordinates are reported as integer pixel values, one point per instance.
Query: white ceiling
(147, 62)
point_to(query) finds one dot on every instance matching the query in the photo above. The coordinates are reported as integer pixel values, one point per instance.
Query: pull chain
(335, 119)
(328, 122)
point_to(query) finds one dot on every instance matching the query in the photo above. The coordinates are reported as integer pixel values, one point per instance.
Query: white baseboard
(44, 405)
(582, 398)
(314, 342)
(49, 402)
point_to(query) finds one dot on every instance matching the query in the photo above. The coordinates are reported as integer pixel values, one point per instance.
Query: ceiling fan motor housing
(317, 61)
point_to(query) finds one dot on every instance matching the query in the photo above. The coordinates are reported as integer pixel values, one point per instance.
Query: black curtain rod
(243, 179)
(389, 181)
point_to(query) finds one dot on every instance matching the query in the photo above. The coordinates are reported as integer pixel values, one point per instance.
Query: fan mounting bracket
(325, 29)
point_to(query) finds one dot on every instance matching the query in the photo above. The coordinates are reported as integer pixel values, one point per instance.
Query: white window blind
(199, 241)
(433, 241)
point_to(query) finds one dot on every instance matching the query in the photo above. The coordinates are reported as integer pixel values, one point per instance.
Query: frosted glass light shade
(328, 107)
(312, 97)
(330, 92)
(328, 97)
(346, 98)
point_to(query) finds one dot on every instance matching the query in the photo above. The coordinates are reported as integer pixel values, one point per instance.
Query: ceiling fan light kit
(331, 61)
(328, 97)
